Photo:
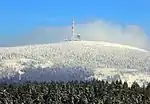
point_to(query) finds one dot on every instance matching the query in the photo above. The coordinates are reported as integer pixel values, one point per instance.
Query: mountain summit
(76, 60)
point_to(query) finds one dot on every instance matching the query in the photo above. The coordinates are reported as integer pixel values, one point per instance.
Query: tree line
(74, 92)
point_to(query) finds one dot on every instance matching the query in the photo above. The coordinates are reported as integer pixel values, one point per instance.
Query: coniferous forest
(74, 92)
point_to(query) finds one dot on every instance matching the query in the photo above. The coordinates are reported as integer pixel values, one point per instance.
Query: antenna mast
(73, 28)
(75, 37)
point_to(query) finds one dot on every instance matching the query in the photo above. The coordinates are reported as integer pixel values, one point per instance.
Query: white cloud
(100, 30)
(96, 30)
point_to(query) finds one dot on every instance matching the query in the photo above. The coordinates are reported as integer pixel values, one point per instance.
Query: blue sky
(19, 17)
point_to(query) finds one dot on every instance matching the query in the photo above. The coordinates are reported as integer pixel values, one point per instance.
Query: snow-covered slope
(76, 60)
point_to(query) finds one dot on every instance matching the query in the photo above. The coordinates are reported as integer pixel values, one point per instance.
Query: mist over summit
(91, 30)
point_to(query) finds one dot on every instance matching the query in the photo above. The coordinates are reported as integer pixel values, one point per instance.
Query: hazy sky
(44, 21)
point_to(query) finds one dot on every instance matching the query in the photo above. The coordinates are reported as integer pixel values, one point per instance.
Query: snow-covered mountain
(76, 60)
